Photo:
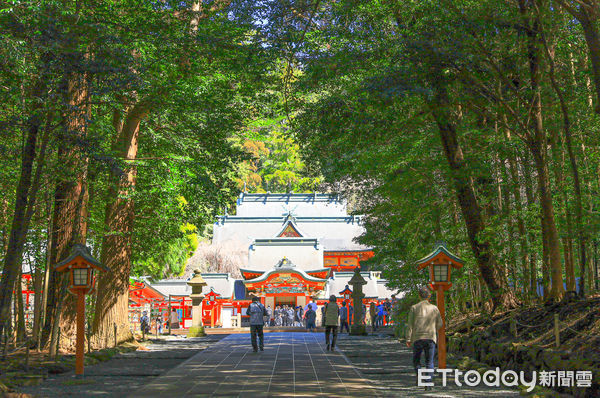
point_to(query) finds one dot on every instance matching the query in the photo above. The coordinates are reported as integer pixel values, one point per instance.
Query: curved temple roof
(440, 249)
(286, 265)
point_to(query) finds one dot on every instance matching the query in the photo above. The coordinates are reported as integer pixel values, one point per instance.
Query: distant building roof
(375, 287)
(222, 284)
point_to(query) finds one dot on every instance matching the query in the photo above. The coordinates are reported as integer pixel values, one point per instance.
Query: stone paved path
(292, 365)
(124, 373)
(296, 365)
(388, 364)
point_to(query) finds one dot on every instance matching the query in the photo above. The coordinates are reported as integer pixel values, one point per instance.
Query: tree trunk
(592, 39)
(516, 192)
(465, 191)
(37, 302)
(581, 236)
(531, 235)
(113, 288)
(20, 307)
(69, 224)
(549, 225)
(537, 145)
(18, 232)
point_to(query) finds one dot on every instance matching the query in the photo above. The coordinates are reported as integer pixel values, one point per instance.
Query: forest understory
(524, 339)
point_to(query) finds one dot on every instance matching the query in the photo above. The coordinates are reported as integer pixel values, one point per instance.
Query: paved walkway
(388, 364)
(125, 372)
(297, 365)
(292, 365)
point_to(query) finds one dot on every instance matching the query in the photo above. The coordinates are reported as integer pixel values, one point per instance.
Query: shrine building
(296, 248)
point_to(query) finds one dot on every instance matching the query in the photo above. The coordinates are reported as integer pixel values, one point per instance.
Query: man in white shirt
(424, 320)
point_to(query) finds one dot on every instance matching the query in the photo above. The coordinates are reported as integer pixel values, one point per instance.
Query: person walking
(290, 316)
(344, 318)
(424, 320)
(380, 314)
(145, 324)
(331, 321)
(363, 316)
(158, 325)
(284, 315)
(311, 317)
(174, 319)
(323, 315)
(257, 312)
(269, 316)
(278, 317)
(388, 311)
(350, 314)
(298, 316)
(373, 315)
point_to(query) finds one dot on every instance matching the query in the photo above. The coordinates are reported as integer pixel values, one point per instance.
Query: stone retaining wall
(523, 358)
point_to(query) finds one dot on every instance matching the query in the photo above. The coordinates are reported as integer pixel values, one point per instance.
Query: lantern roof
(212, 293)
(80, 253)
(357, 278)
(346, 290)
(197, 279)
(440, 255)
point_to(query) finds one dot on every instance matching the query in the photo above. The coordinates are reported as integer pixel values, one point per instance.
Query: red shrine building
(295, 248)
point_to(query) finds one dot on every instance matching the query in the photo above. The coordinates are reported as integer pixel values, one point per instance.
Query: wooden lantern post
(211, 303)
(81, 267)
(440, 263)
(346, 294)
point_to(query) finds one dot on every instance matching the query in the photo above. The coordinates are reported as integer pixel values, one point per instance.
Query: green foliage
(367, 122)
(275, 163)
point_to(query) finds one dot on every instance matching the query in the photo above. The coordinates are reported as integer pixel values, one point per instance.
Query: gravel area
(126, 372)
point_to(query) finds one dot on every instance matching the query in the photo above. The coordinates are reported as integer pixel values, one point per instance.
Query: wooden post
(115, 326)
(169, 315)
(89, 343)
(5, 348)
(57, 344)
(212, 317)
(26, 355)
(442, 331)
(556, 331)
(79, 343)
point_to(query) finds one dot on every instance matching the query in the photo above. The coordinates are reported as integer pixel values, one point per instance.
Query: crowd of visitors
(378, 314)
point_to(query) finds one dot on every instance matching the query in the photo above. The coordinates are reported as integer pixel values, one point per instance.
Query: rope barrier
(576, 331)
(529, 326)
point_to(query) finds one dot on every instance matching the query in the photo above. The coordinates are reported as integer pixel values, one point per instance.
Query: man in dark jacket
(257, 312)
(344, 318)
(311, 317)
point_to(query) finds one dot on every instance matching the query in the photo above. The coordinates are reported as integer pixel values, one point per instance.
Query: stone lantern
(197, 283)
(357, 282)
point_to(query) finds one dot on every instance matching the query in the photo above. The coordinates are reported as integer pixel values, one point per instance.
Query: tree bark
(516, 193)
(18, 233)
(113, 288)
(581, 236)
(537, 146)
(471, 210)
(585, 14)
(531, 235)
(69, 224)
